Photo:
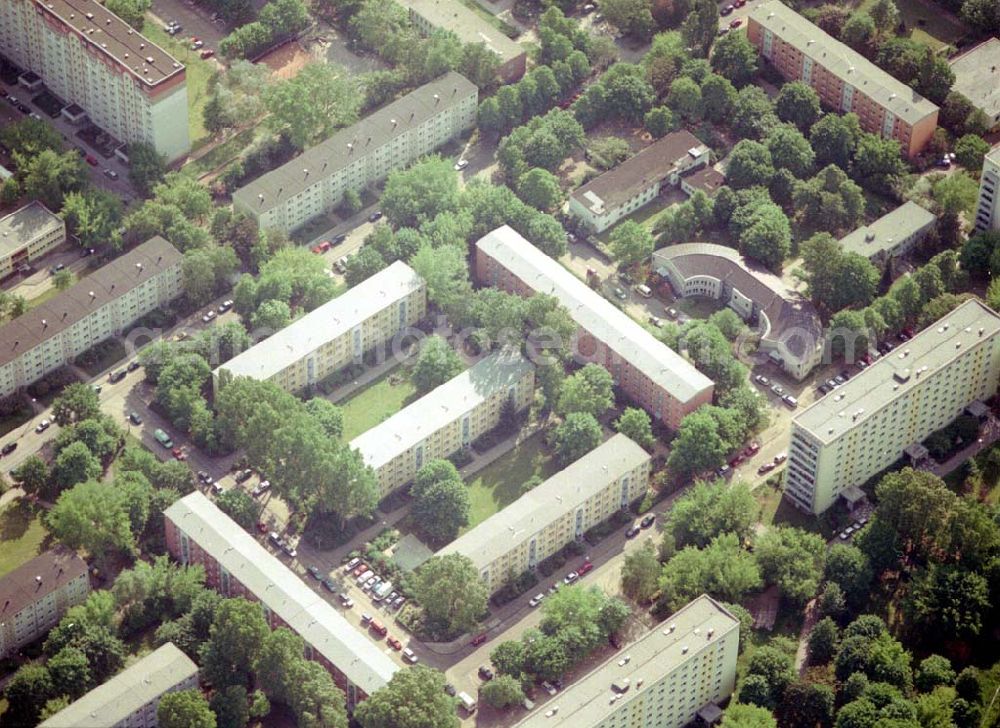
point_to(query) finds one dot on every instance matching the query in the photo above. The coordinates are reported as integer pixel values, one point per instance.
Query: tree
(451, 592)
(753, 115)
(185, 709)
(582, 618)
(934, 671)
(146, 166)
(735, 58)
(798, 103)
(790, 150)
(829, 201)
(446, 274)
(659, 121)
(835, 279)
(32, 476)
(981, 14)
(684, 99)
(51, 175)
(30, 137)
(436, 364)
(858, 32)
(311, 105)
(240, 506)
(76, 403)
(93, 216)
(62, 279)
(806, 705)
(442, 509)
(235, 638)
(792, 559)
(631, 17)
(877, 163)
(698, 446)
(848, 567)
(509, 657)
(640, 573)
(608, 152)
(742, 715)
(948, 601)
(701, 26)
(231, 707)
(776, 670)
(750, 165)
(718, 96)
(970, 150)
(823, 641)
(27, 692)
(636, 425)
(578, 434)
(589, 390)
(413, 698)
(502, 692)
(709, 509)
(92, 516)
(74, 464)
(630, 243)
(834, 139)
(885, 15)
(768, 237)
(417, 194)
(722, 569)
(540, 189)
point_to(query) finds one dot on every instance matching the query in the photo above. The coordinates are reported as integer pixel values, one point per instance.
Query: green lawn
(499, 484)
(381, 399)
(220, 154)
(22, 535)
(929, 27)
(776, 511)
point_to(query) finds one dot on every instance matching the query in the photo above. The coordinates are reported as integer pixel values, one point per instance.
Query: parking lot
(195, 21)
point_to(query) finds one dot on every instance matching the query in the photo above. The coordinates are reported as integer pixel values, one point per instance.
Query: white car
(410, 656)
(461, 164)
(536, 600)
(549, 688)
(43, 426)
(209, 316)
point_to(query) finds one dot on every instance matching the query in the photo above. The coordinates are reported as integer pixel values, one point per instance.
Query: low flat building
(470, 27)
(648, 372)
(335, 335)
(707, 179)
(637, 181)
(37, 594)
(662, 680)
(130, 698)
(556, 512)
(237, 565)
(891, 236)
(977, 78)
(988, 204)
(361, 154)
(790, 330)
(446, 419)
(102, 305)
(867, 424)
(27, 234)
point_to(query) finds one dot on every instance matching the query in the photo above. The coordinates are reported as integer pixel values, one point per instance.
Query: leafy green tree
(508, 657)
(32, 475)
(446, 274)
(698, 446)
(540, 189)
(631, 17)
(578, 434)
(684, 99)
(240, 506)
(949, 602)
(589, 390)
(442, 509)
(775, 670)
(92, 516)
(829, 201)
(185, 709)
(414, 698)
(630, 243)
(753, 115)
(93, 216)
(970, 150)
(76, 403)
(146, 166)
(735, 58)
(722, 569)
(701, 26)
(934, 671)
(451, 592)
(709, 509)
(26, 692)
(981, 14)
(877, 163)
(718, 95)
(823, 641)
(659, 121)
(502, 692)
(834, 139)
(50, 176)
(792, 559)
(608, 152)
(835, 279)
(73, 465)
(419, 193)
(859, 32)
(742, 715)
(640, 573)
(805, 705)
(231, 707)
(436, 364)
(30, 137)
(311, 105)
(790, 150)
(750, 164)
(798, 103)
(636, 425)
(235, 638)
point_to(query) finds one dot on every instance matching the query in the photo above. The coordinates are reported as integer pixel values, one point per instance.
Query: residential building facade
(37, 594)
(637, 181)
(648, 372)
(790, 330)
(336, 334)
(867, 424)
(361, 154)
(470, 27)
(130, 699)
(102, 305)
(662, 680)
(85, 54)
(891, 236)
(988, 205)
(236, 565)
(556, 512)
(845, 80)
(27, 234)
(446, 419)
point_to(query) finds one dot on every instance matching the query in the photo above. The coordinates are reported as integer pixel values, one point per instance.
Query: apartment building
(236, 565)
(891, 236)
(845, 80)
(867, 424)
(977, 77)
(446, 419)
(361, 154)
(647, 371)
(620, 191)
(988, 206)
(27, 234)
(87, 55)
(336, 334)
(37, 594)
(101, 305)
(662, 680)
(556, 512)
(130, 698)
(470, 27)
(790, 330)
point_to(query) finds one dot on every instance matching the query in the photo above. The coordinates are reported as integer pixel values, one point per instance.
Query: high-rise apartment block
(37, 594)
(101, 305)
(844, 79)
(446, 419)
(663, 680)
(27, 234)
(988, 206)
(556, 512)
(361, 154)
(87, 55)
(654, 376)
(130, 698)
(236, 565)
(336, 334)
(867, 424)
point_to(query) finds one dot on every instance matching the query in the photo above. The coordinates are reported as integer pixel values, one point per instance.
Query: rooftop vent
(90, 16)
(902, 376)
(149, 59)
(38, 579)
(684, 649)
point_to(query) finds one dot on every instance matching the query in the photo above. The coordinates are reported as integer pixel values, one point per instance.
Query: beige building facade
(27, 234)
(988, 205)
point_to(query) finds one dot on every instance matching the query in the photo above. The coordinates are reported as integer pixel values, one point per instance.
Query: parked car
(398, 602)
(479, 639)
(289, 550)
(366, 618)
(485, 673)
(274, 538)
(620, 294)
(209, 315)
(117, 376)
(56, 268)
(536, 600)
(261, 488)
(133, 365)
(322, 247)
(648, 520)
(261, 526)
(365, 575)
(110, 174)
(394, 643)
(345, 601)
(752, 449)
(780, 458)
(43, 426)
(243, 475)
(736, 23)
(461, 164)
(314, 572)
(179, 453)
(90, 159)
(349, 566)
(762, 380)
(585, 567)
(163, 438)
(8, 448)
(225, 306)
(726, 10)
(790, 401)
(570, 577)
(375, 216)
(206, 54)
(778, 390)
(341, 264)
(330, 585)
(378, 628)
(360, 569)
(632, 531)
(410, 656)
(549, 687)
(337, 240)
(217, 489)
(766, 468)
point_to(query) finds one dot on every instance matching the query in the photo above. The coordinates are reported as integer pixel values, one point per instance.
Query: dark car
(485, 672)
(450, 689)
(117, 376)
(648, 520)
(134, 418)
(133, 365)
(8, 448)
(375, 216)
(314, 572)
(330, 585)
(243, 475)
(632, 531)
(479, 639)
(339, 239)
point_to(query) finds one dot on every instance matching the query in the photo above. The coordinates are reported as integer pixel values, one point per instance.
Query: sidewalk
(988, 434)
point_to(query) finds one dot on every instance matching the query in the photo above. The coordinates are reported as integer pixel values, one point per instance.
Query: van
(378, 628)
(790, 401)
(643, 290)
(467, 702)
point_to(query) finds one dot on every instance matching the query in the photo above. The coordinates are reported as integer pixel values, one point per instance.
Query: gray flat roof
(24, 225)
(440, 407)
(326, 323)
(659, 652)
(38, 577)
(549, 501)
(888, 230)
(276, 586)
(468, 25)
(105, 284)
(596, 314)
(977, 76)
(892, 375)
(372, 132)
(128, 691)
(843, 61)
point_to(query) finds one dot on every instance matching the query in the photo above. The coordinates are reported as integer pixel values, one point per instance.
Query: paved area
(195, 21)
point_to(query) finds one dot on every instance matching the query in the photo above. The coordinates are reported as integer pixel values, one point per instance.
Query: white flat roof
(549, 501)
(596, 314)
(131, 689)
(888, 230)
(324, 324)
(439, 407)
(284, 593)
(26, 224)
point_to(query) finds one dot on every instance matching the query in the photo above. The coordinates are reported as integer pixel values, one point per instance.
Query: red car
(207, 53)
(584, 568)
(394, 643)
(752, 449)
(736, 23)
(739, 3)
(479, 639)
(90, 160)
(179, 453)
(322, 247)
(261, 526)
(736, 461)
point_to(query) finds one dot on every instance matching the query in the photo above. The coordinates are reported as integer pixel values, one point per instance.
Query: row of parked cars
(371, 583)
